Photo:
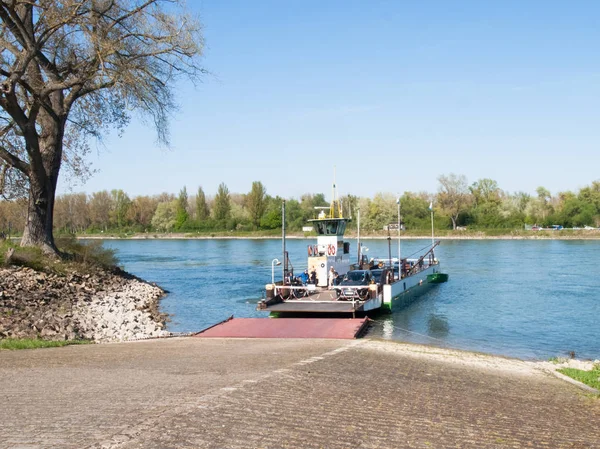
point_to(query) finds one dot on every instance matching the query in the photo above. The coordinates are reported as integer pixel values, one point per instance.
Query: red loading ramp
(344, 328)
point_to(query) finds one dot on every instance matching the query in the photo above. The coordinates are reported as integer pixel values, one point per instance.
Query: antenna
(335, 208)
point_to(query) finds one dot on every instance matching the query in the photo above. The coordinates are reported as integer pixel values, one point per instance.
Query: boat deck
(321, 302)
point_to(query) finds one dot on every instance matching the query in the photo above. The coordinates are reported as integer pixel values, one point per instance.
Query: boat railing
(425, 261)
(297, 291)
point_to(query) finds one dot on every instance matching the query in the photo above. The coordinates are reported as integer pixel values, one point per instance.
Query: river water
(531, 299)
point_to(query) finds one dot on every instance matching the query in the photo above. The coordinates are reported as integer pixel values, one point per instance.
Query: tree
(591, 195)
(12, 215)
(543, 205)
(120, 207)
(272, 217)
(453, 196)
(202, 211)
(141, 211)
(486, 197)
(256, 203)
(513, 209)
(485, 191)
(71, 212)
(182, 207)
(72, 69)
(349, 206)
(165, 216)
(294, 217)
(382, 211)
(309, 201)
(222, 206)
(415, 212)
(100, 205)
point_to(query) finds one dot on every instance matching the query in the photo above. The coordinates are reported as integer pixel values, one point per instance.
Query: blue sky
(391, 93)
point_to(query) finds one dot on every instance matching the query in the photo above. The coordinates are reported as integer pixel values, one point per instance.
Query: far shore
(522, 235)
(187, 236)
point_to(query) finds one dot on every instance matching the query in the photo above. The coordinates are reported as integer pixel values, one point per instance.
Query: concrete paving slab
(255, 393)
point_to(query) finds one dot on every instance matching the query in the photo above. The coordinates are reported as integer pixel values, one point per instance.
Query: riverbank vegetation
(77, 256)
(460, 209)
(590, 378)
(34, 343)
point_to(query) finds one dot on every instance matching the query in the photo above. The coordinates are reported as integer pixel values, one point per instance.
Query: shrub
(87, 253)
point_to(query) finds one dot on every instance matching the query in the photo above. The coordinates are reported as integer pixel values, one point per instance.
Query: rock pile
(100, 305)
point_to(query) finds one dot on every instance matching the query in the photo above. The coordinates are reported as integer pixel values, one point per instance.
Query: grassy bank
(76, 256)
(29, 343)
(590, 378)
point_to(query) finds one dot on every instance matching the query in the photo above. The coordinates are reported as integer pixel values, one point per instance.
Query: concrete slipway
(285, 393)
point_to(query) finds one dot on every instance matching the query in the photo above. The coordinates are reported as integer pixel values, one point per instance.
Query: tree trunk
(40, 211)
(454, 221)
(43, 178)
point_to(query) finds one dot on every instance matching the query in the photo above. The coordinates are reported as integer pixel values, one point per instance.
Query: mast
(358, 234)
(284, 264)
(431, 209)
(390, 247)
(399, 259)
(335, 207)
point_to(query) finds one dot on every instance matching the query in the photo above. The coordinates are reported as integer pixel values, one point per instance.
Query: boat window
(342, 228)
(320, 228)
(332, 228)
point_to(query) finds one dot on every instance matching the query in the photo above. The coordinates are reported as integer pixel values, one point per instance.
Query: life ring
(331, 250)
(310, 251)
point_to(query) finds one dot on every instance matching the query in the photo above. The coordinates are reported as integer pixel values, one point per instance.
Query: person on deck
(304, 277)
(290, 278)
(331, 277)
(313, 276)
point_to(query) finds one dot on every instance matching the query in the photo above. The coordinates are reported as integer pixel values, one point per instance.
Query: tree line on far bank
(480, 205)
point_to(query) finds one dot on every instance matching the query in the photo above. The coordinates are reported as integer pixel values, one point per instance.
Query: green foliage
(29, 343)
(120, 206)
(89, 253)
(590, 378)
(295, 217)
(382, 211)
(181, 215)
(202, 211)
(222, 206)
(272, 217)
(414, 210)
(165, 216)
(23, 256)
(78, 254)
(482, 206)
(256, 203)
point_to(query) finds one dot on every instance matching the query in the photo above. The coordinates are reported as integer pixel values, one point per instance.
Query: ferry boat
(334, 283)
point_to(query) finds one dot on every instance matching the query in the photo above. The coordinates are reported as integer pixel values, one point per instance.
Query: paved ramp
(345, 328)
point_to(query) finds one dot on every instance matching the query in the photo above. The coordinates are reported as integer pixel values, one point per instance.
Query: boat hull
(402, 292)
(437, 278)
